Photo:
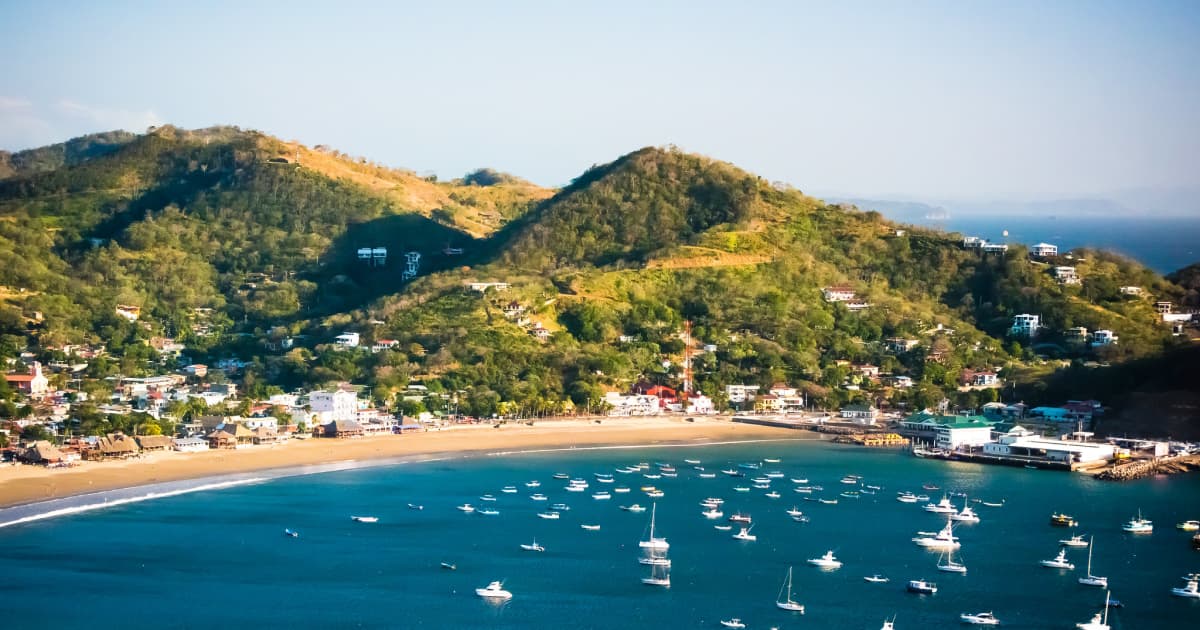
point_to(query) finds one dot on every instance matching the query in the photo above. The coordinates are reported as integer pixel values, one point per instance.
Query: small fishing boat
(740, 518)
(633, 508)
(772, 460)
(906, 497)
(750, 466)
(600, 476)
(795, 512)
(731, 472)
(291, 534)
(1062, 520)
(601, 496)
(538, 497)
(828, 501)
(466, 507)
(1099, 621)
(509, 489)
(494, 591)
(741, 489)
(487, 512)
(487, 497)
(708, 475)
(573, 488)
(980, 619)
(551, 516)
(670, 475)
(533, 484)
(655, 494)
(691, 461)
(733, 623)
(712, 513)
(655, 561)
(876, 579)
(560, 507)
(799, 480)
(1138, 525)
(761, 480)
(1190, 590)
(449, 567)
(414, 506)
(1074, 541)
(591, 528)
(850, 494)
(365, 519)
(772, 495)
(621, 489)
(993, 505)
(710, 501)
(827, 561)
(922, 497)
(606, 480)
(849, 480)
(775, 474)
(1188, 526)
(653, 476)
(803, 489)
(930, 487)
(921, 587)
(745, 534)
(1058, 562)
(876, 488)
(786, 602)
(533, 546)
(561, 476)
(800, 519)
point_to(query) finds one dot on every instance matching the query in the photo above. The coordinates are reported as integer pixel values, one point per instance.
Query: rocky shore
(1146, 468)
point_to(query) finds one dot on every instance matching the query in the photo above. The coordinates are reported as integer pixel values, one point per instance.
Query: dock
(872, 439)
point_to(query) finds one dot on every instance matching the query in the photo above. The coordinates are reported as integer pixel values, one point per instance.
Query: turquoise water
(219, 557)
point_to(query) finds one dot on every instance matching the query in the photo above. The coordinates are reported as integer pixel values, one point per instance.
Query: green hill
(231, 241)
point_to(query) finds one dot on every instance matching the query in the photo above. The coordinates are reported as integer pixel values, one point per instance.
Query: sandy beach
(27, 484)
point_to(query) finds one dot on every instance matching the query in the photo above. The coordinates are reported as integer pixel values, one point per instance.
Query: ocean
(218, 557)
(1164, 244)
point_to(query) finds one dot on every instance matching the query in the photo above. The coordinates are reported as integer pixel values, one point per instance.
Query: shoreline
(23, 486)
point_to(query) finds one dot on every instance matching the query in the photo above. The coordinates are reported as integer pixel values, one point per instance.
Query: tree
(35, 432)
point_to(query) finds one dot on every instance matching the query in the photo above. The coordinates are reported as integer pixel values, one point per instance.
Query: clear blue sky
(967, 99)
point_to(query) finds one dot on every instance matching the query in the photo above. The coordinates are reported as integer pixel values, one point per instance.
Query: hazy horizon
(935, 101)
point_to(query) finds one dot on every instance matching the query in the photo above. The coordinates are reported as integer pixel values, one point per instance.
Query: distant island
(148, 281)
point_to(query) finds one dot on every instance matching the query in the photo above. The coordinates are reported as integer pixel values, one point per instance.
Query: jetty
(872, 439)
(1127, 471)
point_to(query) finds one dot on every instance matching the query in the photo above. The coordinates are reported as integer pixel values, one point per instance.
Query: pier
(1148, 467)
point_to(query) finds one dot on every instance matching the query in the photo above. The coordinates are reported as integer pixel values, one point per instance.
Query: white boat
(1099, 621)
(739, 517)
(606, 480)
(922, 587)
(795, 512)
(538, 497)
(1089, 579)
(713, 501)
(1074, 541)
(560, 507)
(741, 489)
(633, 508)
(745, 534)
(988, 504)
(723, 528)
(826, 561)
(591, 528)
(712, 513)
(889, 625)
(533, 484)
(828, 501)
(980, 619)
(551, 516)
(775, 474)
(965, 515)
(1139, 525)
(601, 496)
(944, 539)
(802, 489)
(906, 497)
(799, 480)
(561, 476)
(941, 507)
(466, 507)
(659, 576)
(509, 489)
(487, 497)
(691, 461)
(1190, 590)
(1059, 562)
(365, 519)
(876, 579)
(495, 590)
(655, 494)
(581, 483)
(772, 495)
(414, 506)
(575, 488)
(708, 475)
(652, 476)
(487, 512)
(621, 489)
(731, 472)
(655, 560)
(771, 460)
(1188, 526)
(651, 541)
(533, 547)
(733, 623)
(950, 566)
(785, 601)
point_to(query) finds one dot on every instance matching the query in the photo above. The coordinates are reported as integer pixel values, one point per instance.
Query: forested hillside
(232, 242)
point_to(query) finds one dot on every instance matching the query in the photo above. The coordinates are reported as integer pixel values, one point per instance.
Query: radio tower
(687, 363)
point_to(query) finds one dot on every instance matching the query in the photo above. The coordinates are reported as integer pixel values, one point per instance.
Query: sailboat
(534, 547)
(889, 624)
(786, 603)
(659, 576)
(950, 566)
(1098, 622)
(1089, 579)
(651, 542)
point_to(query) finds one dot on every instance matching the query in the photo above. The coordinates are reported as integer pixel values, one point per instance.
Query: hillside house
(1044, 250)
(900, 381)
(513, 310)
(481, 287)
(994, 248)
(973, 242)
(129, 312)
(1163, 307)
(971, 378)
(540, 332)
(1077, 334)
(347, 340)
(739, 394)
(867, 370)
(839, 293)
(782, 390)
(1134, 291)
(1103, 338)
(899, 345)
(35, 384)
(1025, 325)
(381, 345)
(1066, 275)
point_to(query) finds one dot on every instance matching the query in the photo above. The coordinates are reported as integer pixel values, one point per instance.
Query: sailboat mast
(1091, 541)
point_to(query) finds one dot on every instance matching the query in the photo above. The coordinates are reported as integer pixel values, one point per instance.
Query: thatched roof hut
(221, 439)
(155, 442)
(117, 445)
(42, 452)
(344, 428)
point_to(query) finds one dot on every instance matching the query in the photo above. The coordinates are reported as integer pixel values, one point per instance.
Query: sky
(968, 100)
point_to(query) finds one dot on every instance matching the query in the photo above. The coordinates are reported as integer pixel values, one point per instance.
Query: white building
(632, 404)
(1044, 250)
(339, 404)
(860, 414)
(900, 345)
(951, 432)
(256, 422)
(994, 248)
(1020, 442)
(484, 286)
(973, 242)
(1066, 275)
(1103, 338)
(901, 382)
(839, 293)
(190, 444)
(347, 340)
(1025, 325)
(1131, 290)
(738, 394)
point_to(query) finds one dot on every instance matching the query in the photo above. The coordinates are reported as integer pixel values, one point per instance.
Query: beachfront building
(741, 394)
(632, 404)
(339, 404)
(1025, 325)
(948, 432)
(1044, 250)
(34, 384)
(1022, 443)
(190, 445)
(343, 429)
(860, 414)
